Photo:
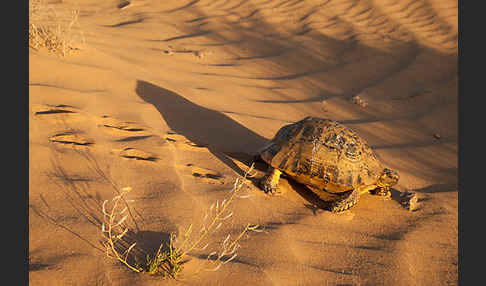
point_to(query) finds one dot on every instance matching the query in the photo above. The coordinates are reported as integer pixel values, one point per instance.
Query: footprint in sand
(137, 154)
(46, 109)
(110, 122)
(181, 142)
(71, 138)
(203, 175)
(56, 112)
(128, 131)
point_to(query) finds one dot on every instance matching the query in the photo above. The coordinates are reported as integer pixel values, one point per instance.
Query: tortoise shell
(323, 154)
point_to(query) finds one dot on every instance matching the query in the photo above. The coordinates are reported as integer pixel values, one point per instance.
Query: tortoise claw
(269, 183)
(268, 187)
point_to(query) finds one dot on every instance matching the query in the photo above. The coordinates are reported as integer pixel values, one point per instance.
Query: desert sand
(173, 98)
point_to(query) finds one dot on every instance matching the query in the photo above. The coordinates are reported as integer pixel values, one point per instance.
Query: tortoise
(327, 157)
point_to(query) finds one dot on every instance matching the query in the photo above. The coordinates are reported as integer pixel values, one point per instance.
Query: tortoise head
(388, 178)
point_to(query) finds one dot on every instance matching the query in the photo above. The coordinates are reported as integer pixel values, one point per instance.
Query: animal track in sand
(57, 112)
(71, 138)
(200, 54)
(109, 122)
(137, 154)
(181, 142)
(129, 130)
(52, 109)
(203, 174)
(200, 174)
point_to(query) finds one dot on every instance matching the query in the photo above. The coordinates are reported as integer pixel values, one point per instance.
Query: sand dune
(173, 98)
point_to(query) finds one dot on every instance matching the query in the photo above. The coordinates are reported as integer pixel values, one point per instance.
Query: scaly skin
(346, 202)
(381, 191)
(269, 183)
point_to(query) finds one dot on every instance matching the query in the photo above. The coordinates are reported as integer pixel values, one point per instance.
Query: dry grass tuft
(168, 259)
(53, 29)
(114, 229)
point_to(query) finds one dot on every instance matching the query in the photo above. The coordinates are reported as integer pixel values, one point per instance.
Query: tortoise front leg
(270, 181)
(376, 190)
(382, 191)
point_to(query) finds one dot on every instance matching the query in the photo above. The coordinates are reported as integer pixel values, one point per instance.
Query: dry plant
(114, 229)
(168, 260)
(52, 29)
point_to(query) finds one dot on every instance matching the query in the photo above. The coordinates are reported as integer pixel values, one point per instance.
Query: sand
(172, 98)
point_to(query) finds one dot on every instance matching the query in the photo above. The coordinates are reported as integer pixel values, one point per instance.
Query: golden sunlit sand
(173, 99)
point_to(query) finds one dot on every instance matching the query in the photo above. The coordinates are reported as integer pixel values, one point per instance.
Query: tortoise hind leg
(345, 202)
(270, 181)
